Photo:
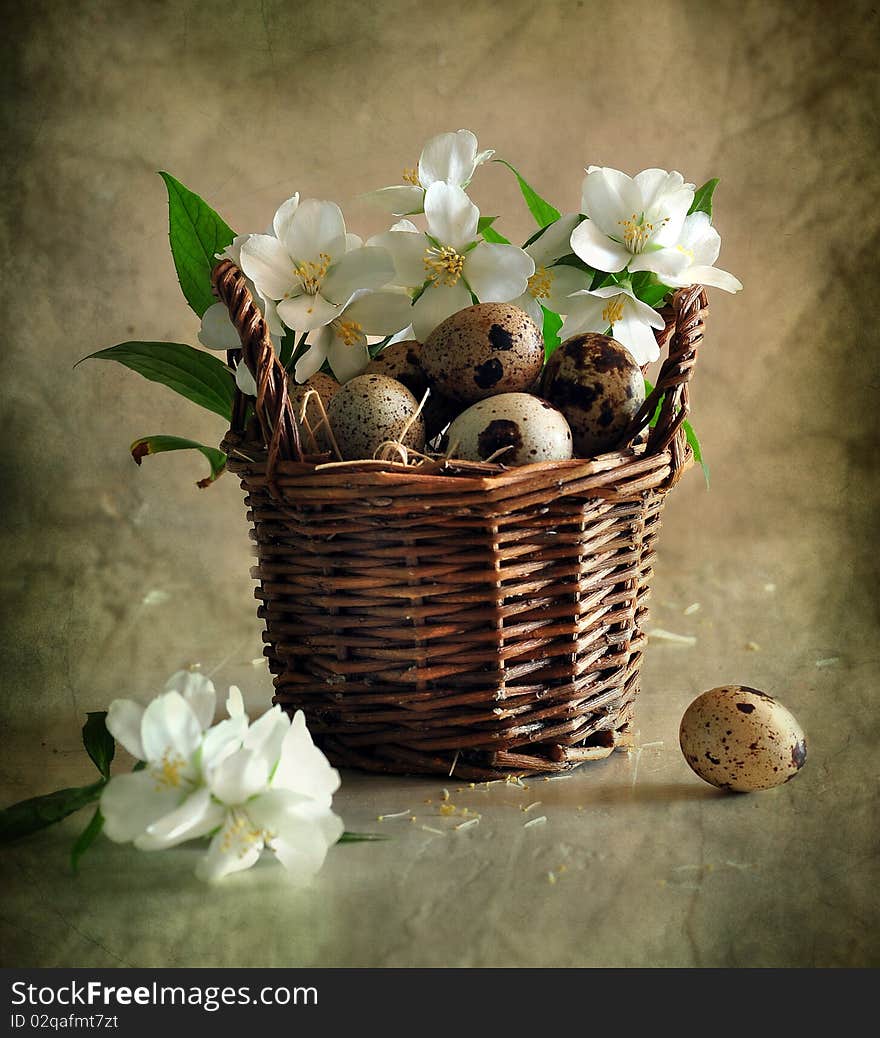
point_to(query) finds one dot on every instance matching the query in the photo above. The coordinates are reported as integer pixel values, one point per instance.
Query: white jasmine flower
(312, 267)
(700, 243)
(448, 263)
(615, 310)
(553, 282)
(274, 792)
(633, 223)
(451, 158)
(343, 342)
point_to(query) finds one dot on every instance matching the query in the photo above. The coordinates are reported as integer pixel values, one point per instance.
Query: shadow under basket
(457, 619)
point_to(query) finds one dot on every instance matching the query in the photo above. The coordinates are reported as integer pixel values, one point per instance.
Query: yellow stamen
(638, 232)
(350, 332)
(540, 282)
(168, 773)
(443, 265)
(311, 274)
(613, 311)
(243, 830)
(411, 176)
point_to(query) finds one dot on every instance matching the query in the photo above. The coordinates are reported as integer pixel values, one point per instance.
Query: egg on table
(483, 350)
(517, 427)
(401, 360)
(597, 385)
(741, 739)
(370, 410)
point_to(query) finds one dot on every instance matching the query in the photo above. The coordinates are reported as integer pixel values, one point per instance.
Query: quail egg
(401, 360)
(517, 427)
(371, 409)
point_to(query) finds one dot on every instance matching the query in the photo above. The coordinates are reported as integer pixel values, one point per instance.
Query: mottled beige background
(114, 576)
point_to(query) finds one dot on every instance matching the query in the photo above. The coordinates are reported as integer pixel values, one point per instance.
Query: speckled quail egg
(484, 350)
(326, 388)
(597, 385)
(370, 409)
(739, 738)
(530, 428)
(401, 360)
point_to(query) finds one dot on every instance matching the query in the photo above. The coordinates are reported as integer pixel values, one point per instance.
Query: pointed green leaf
(484, 222)
(29, 816)
(649, 288)
(196, 234)
(702, 202)
(552, 324)
(540, 209)
(159, 444)
(689, 433)
(195, 374)
(491, 235)
(85, 839)
(99, 743)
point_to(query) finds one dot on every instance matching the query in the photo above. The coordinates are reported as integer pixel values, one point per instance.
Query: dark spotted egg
(401, 360)
(739, 738)
(370, 410)
(517, 427)
(482, 351)
(597, 385)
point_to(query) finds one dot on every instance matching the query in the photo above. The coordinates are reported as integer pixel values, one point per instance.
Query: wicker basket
(458, 619)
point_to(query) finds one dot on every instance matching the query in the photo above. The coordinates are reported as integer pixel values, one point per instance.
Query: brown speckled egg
(482, 351)
(739, 738)
(401, 360)
(530, 428)
(597, 385)
(326, 388)
(370, 409)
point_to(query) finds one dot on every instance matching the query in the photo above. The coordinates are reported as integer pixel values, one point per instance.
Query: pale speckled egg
(532, 429)
(401, 360)
(482, 351)
(326, 387)
(597, 385)
(741, 739)
(370, 409)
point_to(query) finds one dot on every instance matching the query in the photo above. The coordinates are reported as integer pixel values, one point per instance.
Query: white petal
(584, 315)
(197, 690)
(267, 263)
(608, 197)
(315, 229)
(235, 702)
(196, 816)
(303, 849)
(644, 313)
(220, 742)
(407, 250)
(670, 217)
(353, 241)
(346, 361)
(565, 280)
(281, 221)
(370, 267)
(245, 380)
(302, 767)
(450, 157)
(637, 337)
(531, 306)
(170, 727)
(217, 331)
(270, 313)
(233, 251)
(266, 735)
(700, 239)
(435, 304)
(313, 359)
(239, 776)
(452, 216)
(406, 335)
(555, 241)
(711, 277)
(399, 200)
(661, 262)
(124, 719)
(130, 803)
(656, 185)
(595, 248)
(497, 273)
(380, 313)
(233, 849)
(306, 312)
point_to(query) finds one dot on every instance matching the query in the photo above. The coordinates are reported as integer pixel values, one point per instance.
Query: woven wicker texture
(456, 618)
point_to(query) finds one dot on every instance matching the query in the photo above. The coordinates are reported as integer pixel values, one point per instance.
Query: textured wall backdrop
(113, 576)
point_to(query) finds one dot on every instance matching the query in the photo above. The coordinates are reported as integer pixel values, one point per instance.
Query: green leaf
(196, 234)
(702, 202)
(29, 816)
(540, 209)
(552, 324)
(85, 839)
(99, 743)
(193, 373)
(484, 222)
(690, 435)
(348, 837)
(490, 234)
(649, 288)
(159, 444)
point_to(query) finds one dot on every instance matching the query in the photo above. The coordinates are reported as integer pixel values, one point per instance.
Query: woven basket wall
(459, 619)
